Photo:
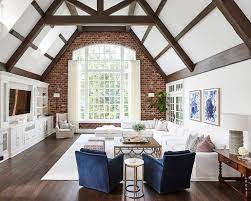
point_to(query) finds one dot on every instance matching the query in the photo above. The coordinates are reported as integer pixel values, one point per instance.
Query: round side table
(134, 190)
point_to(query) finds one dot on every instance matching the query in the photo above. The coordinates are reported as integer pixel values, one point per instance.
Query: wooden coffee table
(152, 148)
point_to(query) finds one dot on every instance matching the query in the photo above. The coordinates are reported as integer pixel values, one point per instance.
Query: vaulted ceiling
(179, 36)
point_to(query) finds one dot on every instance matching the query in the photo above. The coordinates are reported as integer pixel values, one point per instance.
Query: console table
(241, 166)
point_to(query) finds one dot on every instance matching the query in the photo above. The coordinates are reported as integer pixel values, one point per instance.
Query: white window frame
(175, 90)
(122, 82)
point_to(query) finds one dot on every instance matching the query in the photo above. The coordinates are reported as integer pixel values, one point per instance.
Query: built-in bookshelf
(42, 101)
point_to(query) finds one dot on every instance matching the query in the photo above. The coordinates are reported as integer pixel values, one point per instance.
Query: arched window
(104, 84)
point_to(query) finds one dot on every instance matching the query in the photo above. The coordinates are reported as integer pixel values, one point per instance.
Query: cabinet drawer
(228, 162)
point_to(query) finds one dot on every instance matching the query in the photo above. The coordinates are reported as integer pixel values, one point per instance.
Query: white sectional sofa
(206, 166)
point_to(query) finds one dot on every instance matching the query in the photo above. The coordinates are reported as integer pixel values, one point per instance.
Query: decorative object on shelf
(243, 152)
(236, 124)
(159, 101)
(211, 106)
(195, 105)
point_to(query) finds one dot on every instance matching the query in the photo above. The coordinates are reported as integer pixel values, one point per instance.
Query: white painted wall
(234, 82)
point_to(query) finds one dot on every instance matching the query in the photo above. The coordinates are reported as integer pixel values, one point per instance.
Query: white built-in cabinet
(18, 133)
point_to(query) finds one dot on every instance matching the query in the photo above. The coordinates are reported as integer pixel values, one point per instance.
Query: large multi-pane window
(104, 82)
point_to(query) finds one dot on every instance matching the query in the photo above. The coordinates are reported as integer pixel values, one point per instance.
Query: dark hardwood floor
(20, 181)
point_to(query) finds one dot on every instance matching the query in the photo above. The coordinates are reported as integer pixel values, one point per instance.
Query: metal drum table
(134, 190)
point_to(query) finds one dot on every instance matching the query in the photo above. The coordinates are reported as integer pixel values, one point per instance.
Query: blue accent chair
(170, 174)
(98, 172)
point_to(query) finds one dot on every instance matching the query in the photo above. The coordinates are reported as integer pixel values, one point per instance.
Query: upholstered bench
(95, 143)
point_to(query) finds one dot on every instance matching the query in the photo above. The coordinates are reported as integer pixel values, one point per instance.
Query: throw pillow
(162, 126)
(192, 142)
(206, 145)
(63, 124)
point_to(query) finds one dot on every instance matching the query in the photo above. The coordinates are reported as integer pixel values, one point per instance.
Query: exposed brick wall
(151, 80)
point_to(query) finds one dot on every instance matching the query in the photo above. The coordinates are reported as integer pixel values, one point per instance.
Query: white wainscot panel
(211, 36)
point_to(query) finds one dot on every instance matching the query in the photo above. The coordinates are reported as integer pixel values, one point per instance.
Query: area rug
(66, 167)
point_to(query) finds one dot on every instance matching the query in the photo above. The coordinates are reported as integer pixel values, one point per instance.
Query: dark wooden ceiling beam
(31, 36)
(62, 38)
(37, 7)
(131, 11)
(20, 37)
(83, 20)
(158, 11)
(236, 18)
(61, 52)
(73, 11)
(104, 29)
(195, 21)
(168, 36)
(231, 56)
(118, 7)
(147, 53)
(100, 6)
(83, 7)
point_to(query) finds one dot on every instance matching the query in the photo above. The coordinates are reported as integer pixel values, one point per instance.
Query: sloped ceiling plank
(73, 20)
(31, 36)
(231, 56)
(117, 7)
(61, 52)
(156, 65)
(149, 28)
(20, 37)
(162, 28)
(195, 21)
(83, 7)
(236, 18)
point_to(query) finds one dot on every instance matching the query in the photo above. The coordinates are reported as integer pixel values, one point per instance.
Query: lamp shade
(234, 122)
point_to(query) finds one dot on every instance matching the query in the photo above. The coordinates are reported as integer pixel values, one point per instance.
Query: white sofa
(206, 166)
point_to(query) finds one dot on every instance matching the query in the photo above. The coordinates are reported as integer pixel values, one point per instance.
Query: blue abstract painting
(195, 105)
(211, 106)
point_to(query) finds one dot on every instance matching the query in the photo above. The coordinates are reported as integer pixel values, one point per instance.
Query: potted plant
(159, 101)
(138, 127)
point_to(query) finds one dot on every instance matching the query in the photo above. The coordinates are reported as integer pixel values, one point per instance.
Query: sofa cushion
(162, 126)
(91, 151)
(127, 125)
(206, 145)
(63, 124)
(172, 128)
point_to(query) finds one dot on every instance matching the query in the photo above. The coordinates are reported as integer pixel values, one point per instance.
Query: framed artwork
(195, 105)
(211, 106)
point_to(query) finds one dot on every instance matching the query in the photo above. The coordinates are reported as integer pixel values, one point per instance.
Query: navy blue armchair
(98, 172)
(170, 174)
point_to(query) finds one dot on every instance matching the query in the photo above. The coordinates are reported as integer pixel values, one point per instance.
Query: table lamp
(236, 124)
